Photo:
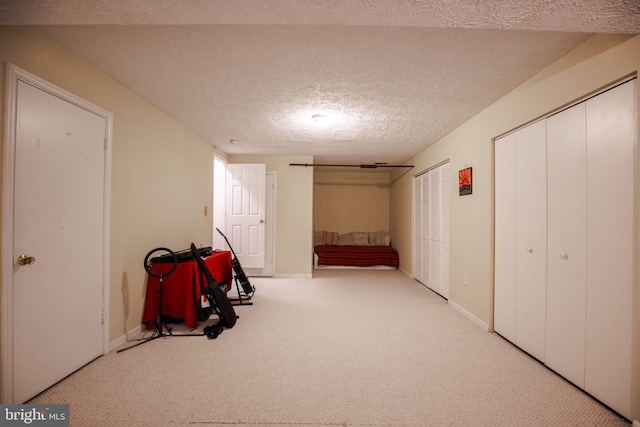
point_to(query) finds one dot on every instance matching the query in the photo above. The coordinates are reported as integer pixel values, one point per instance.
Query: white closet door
(531, 250)
(417, 232)
(504, 319)
(439, 230)
(435, 246)
(426, 221)
(580, 324)
(567, 234)
(444, 229)
(431, 234)
(610, 160)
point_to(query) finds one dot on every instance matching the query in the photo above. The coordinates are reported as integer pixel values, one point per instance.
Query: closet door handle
(564, 256)
(530, 250)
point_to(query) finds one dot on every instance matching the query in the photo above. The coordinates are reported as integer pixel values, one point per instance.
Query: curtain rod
(374, 166)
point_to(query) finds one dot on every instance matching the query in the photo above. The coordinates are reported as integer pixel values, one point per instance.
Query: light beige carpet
(346, 348)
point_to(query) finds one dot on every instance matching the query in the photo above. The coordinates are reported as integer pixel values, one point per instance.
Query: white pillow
(330, 238)
(360, 239)
(376, 239)
(345, 239)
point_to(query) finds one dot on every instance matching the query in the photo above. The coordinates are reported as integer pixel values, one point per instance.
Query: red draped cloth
(181, 290)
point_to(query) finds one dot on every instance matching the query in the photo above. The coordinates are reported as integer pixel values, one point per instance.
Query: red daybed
(356, 256)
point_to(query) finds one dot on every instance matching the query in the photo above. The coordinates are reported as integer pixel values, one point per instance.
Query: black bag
(217, 298)
(204, 307)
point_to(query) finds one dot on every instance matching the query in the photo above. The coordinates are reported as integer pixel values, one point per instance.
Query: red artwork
(464, 181)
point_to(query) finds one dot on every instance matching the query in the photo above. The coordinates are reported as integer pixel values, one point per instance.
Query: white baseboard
(469, 316)
(406, 273)
(295, 276)
(117, 343)
(124, 338)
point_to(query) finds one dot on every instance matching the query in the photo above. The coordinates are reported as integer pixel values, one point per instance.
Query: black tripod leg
(140, 343)
(160, 324)
(240, 300)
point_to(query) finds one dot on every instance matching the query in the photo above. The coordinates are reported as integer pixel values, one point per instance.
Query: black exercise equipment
(183, 255)
(216, 297)
(159, 331)
(247, 288)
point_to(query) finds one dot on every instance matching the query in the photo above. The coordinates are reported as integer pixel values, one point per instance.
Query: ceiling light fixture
(318, 118)
(233, 141)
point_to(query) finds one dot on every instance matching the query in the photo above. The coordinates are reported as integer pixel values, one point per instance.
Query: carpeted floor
(346, 348)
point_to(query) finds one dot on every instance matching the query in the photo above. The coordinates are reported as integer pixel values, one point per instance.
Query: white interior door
(58, 220)
(567, 243)
(245, 212)
(269, 230)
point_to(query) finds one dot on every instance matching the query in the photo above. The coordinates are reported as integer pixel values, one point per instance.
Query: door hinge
(106, 144)
(102, 317)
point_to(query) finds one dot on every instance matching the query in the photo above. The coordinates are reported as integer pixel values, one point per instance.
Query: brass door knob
(26, 260)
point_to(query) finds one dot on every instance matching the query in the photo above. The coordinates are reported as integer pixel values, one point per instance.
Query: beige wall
(356, 201)
(600, 62)
(155, 163)
(294, 212)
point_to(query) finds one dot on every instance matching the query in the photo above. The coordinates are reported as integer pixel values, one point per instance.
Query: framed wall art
(465, 181)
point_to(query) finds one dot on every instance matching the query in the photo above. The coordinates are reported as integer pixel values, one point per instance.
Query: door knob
(26, 260)
(564, 255)
(262, 221)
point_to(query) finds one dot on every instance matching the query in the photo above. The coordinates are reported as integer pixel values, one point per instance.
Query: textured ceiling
(392, 76)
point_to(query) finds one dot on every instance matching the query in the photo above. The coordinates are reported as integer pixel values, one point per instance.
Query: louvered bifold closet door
(426, 229)
(443, 230)
(417, 231)
(435, 240)
(431, 190)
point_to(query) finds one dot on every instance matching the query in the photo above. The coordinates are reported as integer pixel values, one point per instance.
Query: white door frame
(219, 202)
(270, 239)
(14, 74)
